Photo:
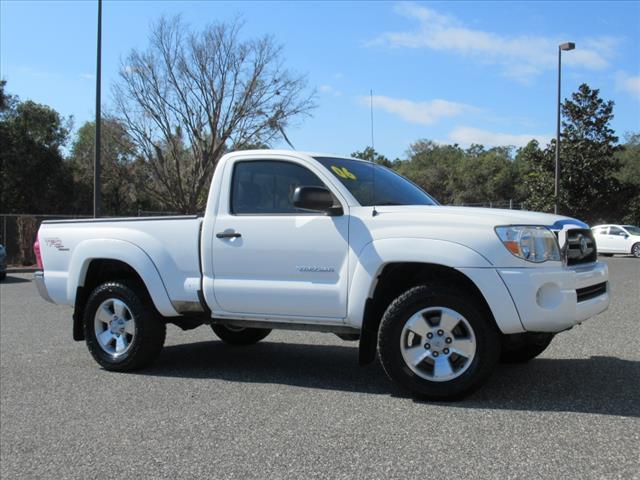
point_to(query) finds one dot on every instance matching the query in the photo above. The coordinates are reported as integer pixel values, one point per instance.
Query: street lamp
(97, 201)
(566, 47)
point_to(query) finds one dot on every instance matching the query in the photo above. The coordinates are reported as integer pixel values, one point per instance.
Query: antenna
(373, 151)
(371, 103)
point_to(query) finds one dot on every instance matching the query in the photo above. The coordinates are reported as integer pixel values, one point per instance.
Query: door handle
(228, 235)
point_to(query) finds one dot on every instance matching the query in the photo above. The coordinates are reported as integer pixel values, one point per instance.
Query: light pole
(565, 46)
(96, 160)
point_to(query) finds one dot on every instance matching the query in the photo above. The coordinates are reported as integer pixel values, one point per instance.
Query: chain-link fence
(154, 213)
(510, 204)
(19, 232)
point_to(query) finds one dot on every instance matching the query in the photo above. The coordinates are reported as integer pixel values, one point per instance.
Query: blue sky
(454, 72)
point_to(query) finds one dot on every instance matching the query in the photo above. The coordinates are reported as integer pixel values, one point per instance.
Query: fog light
(549, 296)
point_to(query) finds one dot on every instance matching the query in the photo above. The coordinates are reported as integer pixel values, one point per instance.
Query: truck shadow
(600, 385)
(11, 279)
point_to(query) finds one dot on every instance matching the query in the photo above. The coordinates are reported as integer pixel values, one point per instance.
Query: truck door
(272, 259)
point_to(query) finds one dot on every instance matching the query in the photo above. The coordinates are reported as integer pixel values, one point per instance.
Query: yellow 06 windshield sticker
(343, 172)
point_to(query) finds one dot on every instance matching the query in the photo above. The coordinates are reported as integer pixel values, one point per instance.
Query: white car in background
(612, 239)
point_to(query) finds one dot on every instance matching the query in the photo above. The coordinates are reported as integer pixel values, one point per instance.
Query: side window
(601, 231)
(616, 231)
(267, 186)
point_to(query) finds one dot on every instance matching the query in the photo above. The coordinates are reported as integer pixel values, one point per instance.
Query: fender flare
(123, 251)
(379, 253)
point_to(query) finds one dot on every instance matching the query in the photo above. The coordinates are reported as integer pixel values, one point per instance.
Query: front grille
(587, 293)
(580, 247)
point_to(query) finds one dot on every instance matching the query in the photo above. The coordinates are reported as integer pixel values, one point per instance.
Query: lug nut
(427, 346)
(446, 351)
(435, 354)
(429, 335)
(440, 332)
(448, 340)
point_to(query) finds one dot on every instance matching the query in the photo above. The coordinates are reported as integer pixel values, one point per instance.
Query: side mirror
(315, 199)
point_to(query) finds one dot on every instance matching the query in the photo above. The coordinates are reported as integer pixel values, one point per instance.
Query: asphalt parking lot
(297, 405)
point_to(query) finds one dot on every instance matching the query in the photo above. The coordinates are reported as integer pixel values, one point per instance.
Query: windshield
(390, 188)
(632, 230)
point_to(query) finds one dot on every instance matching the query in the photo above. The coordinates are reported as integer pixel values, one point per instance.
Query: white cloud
(521, 57)
(87, 76)
(468, 135)
(628, 83)
(423, 113)
(329, 90)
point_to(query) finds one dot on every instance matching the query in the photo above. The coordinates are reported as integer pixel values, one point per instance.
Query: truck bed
(169, 244)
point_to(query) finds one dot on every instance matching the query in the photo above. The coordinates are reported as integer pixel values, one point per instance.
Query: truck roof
(296, 152)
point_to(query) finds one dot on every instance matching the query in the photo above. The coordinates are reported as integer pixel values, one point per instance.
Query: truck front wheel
(122, 330)
(438, 343)
(240, 335)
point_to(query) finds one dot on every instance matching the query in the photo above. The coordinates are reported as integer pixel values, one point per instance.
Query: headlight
(531, 243)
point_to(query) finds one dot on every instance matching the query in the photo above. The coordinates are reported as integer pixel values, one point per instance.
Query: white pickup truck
(314, 242)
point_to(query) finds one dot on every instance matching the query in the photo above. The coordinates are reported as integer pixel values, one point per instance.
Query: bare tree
(192, 96)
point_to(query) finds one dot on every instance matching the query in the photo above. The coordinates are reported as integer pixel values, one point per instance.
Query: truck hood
(467, 226)
(482, 216)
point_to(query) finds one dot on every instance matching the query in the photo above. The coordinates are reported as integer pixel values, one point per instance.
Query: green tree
(432, 167)
(118, 173)
(484, 176)
(588, 186)
(7, 101)
(371, 155)
(588, 165)
(628, 203)
(535, 167)
(456, 176)
(33, 175)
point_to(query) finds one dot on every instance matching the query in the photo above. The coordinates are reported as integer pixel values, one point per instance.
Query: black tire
(418, 298)
(239, 335)
(3, 275)
(150, 329)
(522, 348)
(635, 250)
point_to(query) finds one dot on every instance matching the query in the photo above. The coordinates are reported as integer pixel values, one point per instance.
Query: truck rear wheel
(122, 330)
(522, 348)
(437, 343)
(240, 335)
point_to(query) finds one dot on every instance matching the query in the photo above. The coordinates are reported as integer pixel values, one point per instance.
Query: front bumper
(38, 279)
(555, 299)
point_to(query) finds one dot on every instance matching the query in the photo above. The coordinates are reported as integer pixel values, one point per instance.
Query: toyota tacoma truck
(313, 242)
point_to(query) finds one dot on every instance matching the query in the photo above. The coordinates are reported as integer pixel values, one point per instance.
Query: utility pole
(96, 162)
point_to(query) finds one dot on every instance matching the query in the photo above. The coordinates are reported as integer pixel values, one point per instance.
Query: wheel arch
(396, 278)
(379, 255)
(97, 261)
